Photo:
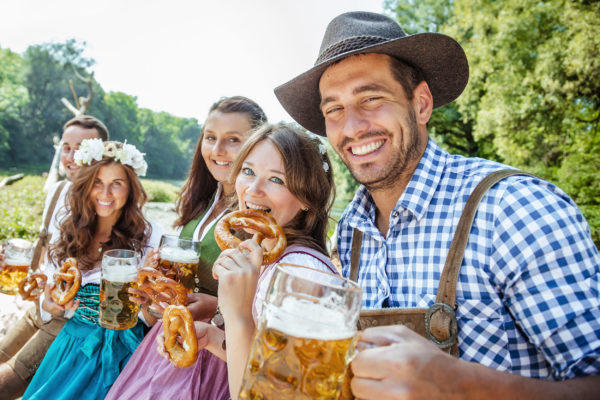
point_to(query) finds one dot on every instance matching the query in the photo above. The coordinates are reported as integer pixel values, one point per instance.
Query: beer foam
(302, 318)
(17, 260)
(120, 273)
(179, 255)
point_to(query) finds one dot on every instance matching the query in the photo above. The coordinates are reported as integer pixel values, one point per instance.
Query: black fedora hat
(440, 58)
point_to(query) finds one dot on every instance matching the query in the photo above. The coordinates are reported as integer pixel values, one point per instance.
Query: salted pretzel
(259, 221)
(178, 322)
(66, 282)
(160, 288)
(32, 286)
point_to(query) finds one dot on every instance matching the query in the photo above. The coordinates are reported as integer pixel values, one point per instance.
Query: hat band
(350, 44)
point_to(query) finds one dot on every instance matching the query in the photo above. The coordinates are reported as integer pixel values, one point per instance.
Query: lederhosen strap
(42, 241)
(438, 322)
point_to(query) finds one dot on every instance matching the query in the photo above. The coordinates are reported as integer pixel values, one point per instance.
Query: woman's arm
(238, 277)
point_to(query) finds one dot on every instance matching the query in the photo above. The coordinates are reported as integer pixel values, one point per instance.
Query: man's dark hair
(406, 75)
(89, 122)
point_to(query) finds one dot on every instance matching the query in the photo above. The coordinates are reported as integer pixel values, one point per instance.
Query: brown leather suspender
(42, 241)
(438, 322)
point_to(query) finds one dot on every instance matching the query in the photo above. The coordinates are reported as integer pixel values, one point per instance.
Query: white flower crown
(96, 149)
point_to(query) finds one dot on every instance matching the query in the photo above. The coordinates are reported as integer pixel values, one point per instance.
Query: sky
(181, 56)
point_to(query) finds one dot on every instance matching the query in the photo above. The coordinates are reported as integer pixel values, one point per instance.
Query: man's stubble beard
(390, 175)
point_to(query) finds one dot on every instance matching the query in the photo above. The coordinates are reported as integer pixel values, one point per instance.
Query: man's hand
(396, 363)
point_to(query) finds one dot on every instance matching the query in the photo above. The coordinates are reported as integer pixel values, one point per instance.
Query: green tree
(49, 68)
(13, 99)
(121, 117)
(535, 82)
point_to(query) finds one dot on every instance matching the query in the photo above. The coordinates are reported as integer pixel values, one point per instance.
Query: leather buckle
(453, 328)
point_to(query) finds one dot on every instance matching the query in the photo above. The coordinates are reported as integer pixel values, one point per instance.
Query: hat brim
(440, 58)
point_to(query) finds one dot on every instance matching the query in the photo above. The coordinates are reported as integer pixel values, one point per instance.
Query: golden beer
(283, 366)
(293, 357)
(179, 264)
(119, 273)
(17, 257)
(117, 312)
(15, 270)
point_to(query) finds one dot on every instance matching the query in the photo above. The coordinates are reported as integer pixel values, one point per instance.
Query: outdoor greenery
(22, 207)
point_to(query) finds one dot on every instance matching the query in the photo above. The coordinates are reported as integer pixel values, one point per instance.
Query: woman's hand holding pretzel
(238, 276)
(151, 260)
(56, 309)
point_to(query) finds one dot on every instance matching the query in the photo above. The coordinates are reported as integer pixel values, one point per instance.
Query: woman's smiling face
(222, 139)
(110, 190)
(261, 184)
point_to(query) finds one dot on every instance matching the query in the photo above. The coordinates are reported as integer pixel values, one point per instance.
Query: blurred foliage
(22, 207)
(533, 98)
(31, 112)
(159, 191)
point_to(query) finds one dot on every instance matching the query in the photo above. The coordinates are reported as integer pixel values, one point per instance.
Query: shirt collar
(425, 180)
(415, 198)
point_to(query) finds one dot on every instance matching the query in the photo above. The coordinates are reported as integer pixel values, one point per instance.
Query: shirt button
(395, 214)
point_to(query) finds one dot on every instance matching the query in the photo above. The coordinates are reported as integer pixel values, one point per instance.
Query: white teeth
(222, 163)
(256, 207)
(368, 148)
(105, 203)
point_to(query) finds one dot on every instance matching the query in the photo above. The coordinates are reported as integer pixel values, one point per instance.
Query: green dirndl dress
(85, 359)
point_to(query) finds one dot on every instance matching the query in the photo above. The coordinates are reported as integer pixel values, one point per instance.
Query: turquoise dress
(85, 359)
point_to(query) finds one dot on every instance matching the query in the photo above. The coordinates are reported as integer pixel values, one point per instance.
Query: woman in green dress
(203, 201)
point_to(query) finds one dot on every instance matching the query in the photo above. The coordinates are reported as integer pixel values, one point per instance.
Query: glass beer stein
(304, 337)
(179, 259)
(17, 257)
(119, 273)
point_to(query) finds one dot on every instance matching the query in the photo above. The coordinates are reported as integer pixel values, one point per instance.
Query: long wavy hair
(131, 231)
(200, 184)
(307, 178)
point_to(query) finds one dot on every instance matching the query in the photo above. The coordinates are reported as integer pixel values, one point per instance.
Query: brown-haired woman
(286, 173)
(105, 203)
(203, 200)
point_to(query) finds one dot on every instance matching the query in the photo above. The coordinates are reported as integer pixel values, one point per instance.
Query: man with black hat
(511, 288)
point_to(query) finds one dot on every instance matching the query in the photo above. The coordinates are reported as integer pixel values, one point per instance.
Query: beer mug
(304, 337)
(17, 257)
(179, 259)
(119, 273)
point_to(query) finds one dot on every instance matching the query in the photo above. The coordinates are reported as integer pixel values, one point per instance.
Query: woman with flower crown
(105, 203)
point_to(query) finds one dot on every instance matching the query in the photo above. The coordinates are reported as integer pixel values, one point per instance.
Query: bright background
(180, 56)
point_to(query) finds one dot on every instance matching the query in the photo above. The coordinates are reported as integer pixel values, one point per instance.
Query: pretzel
(164, 267)
(32, 286)
(66, 282)
(261, 222)
(178, 322)
(160, 288)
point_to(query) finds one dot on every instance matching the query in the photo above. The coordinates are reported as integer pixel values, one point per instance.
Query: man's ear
(423, 103)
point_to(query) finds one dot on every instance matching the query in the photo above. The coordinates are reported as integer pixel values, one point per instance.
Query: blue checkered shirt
(528, 288)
